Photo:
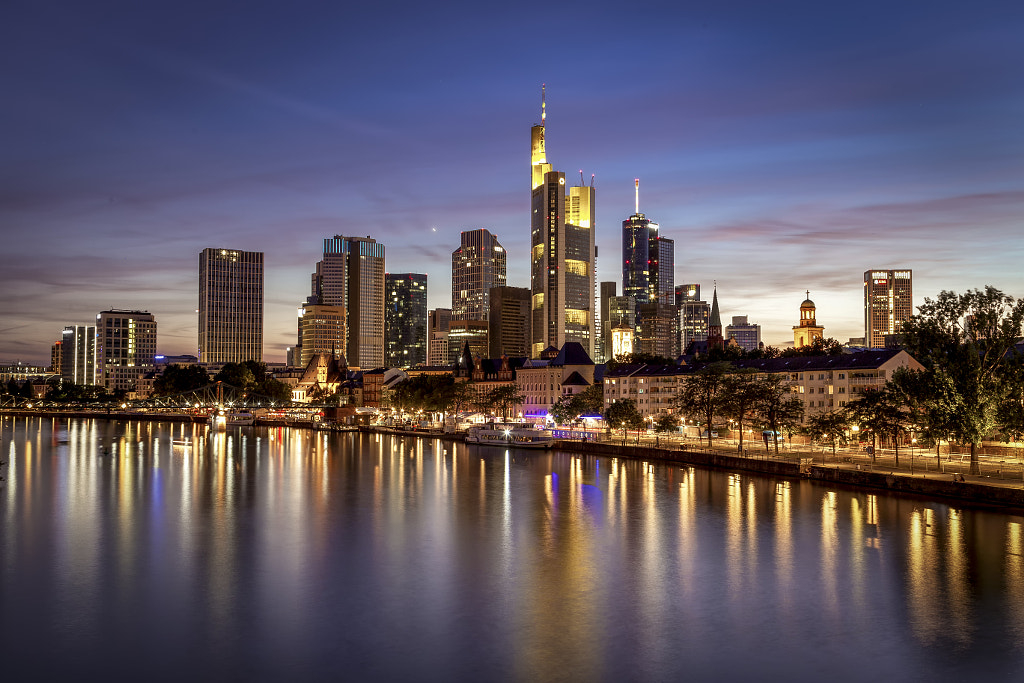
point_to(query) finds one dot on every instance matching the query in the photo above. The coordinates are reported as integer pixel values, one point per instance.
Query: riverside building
(230, 306)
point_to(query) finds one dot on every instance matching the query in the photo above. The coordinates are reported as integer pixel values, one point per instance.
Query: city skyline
(779, 146)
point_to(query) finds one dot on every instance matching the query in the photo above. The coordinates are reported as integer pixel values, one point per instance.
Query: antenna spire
(543, 103)
(637, 181)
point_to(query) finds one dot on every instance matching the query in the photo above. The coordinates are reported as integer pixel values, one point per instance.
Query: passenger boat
(509, 436)
(220, 419)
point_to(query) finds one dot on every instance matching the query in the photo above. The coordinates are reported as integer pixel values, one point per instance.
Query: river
(140, 550)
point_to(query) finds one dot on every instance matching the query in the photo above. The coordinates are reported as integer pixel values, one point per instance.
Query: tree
(829, 427)
(624, 414)
(503, 398)
(238, 375)
(666, 423)
(703, 394)
(778, 407)
(883, 412)
(590, 401)
(934, 404)
(179, 379)
(820, 346)
(13, 388)
(565, 410)
(967, 337)
(741, 391)
(274, 390)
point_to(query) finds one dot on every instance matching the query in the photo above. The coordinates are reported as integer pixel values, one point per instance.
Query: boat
(509, 435)
(220, 419)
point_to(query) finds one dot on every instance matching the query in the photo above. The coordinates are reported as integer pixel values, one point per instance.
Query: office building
(477, 265)
(658, 332)
(508, 327)
(472, 332)
(78, 354)
(438, 323)
(562, 254)
(746, 334)
(125, 348)
(55, 357)
(405, 319)
(351, 275)
(604, 346)
(321, 330)
(888, 303)
(694, 315)
(808, 330)
(230, 306)
(621, 326)
(648, 259)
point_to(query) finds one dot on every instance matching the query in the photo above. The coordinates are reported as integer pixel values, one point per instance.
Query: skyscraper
(439, 323)
(746, 333)
(562, 254)
(888, 303)
(648, 259)
(321, 330)
(230, 306)
(405, 319)
(508, 327)
(694, 315)
(78, 354)
(477, 265)
(125, 348)
(351, 274)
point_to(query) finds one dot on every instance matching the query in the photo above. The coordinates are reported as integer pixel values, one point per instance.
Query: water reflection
(266, 553)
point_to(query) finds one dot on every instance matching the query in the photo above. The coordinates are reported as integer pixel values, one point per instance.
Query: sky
(784, 146)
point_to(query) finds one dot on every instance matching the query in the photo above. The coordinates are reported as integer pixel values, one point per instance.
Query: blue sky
(784, 146)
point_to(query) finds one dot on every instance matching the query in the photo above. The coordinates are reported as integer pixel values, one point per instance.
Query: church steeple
(808, 330)
(715, 338)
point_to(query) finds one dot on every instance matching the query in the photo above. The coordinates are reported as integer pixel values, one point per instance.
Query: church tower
(808, 330)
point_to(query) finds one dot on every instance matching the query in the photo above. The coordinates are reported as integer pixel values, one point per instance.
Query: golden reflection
(958, 592)
(923, 577)
(1015, 576)
(829, 551)
(734, 536)
(784, 559)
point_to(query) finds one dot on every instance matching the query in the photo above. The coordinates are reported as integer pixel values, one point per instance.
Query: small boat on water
(220, 419)
(509, 436)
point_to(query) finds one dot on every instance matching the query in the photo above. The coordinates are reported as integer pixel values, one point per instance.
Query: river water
(138, 550)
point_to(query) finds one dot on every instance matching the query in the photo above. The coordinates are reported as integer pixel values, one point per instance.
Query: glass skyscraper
(230, 306)
(405, 319)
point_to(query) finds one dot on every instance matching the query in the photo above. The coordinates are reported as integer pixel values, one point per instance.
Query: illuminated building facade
(78, 354)
(658, 332)
(439, 322)
(562, 255)
(477, 265)
(351, 275)
(125, 348)
(621, 325)
(888, 303)
(472, 332)
(405, 319)
(648, 259)
(746, 333)
(509, 322)
(230, 306)
(604, 345)
(808, 330)
(321, 330)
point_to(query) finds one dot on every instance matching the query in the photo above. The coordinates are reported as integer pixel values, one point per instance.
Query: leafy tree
(820, 346)
(778, 407)
(883, 412)
(590, 401)
(624, 414)
(637, 357)
(13, 388)
(666, 422)
(934, 404)
(275, 390)
(238, 375)
(829, 427)
(703, 394)
(179, 379)
(967, 337)
(503, 398)
(565, 410)
(741, 391)
(27, 390)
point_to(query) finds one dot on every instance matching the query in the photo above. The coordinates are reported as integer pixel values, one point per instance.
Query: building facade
(694, 315)
(746, 333)
(477, 266)
(321, 330)
(125, 348)
(888, 304)
(562, 255)
(405, 319)
(78, 355)
(508, 327)
(808, 330)
(351, 275)
(658, 332)
(230, 306)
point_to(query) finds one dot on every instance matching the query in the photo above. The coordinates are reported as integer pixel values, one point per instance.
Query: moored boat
(509, 436)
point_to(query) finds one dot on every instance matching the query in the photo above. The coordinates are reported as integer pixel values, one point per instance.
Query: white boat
(220, 419)
(509, 436)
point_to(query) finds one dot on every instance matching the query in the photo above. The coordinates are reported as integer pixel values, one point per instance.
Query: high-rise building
(321, 330)
(230, 306)
(888, 303)
(472, 332)
(562, 254)
(808, 330)
(746, 334)
(694, 315)
(621, 325)
(648, 259)
(658, 332)
(351, 275)
(56, 353)
(509, 323)
(477, 265)
(604, 349)
(78, 354)
(439, 323)
(125, 348)
(405, 319)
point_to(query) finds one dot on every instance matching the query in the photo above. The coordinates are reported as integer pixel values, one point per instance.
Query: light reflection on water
(270, 553)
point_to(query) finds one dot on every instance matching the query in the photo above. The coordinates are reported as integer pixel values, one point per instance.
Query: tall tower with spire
(715, 338)
(562, 253)
(648, 259)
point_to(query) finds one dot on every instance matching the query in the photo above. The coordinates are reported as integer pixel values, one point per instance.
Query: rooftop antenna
(581, 178)
(543, 103)
(591, 180)
(637, 181)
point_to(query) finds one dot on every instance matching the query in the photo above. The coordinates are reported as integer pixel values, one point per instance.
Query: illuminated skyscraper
(648, 259)
(230, 306)
(477, 265)
(562, 254)
(405, 319)
(321, 330)
(888, 303)
(125, 348)
(78, 354)
(351, 274)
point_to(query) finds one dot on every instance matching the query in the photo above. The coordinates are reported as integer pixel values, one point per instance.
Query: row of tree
(251, 377)
(443, 394)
